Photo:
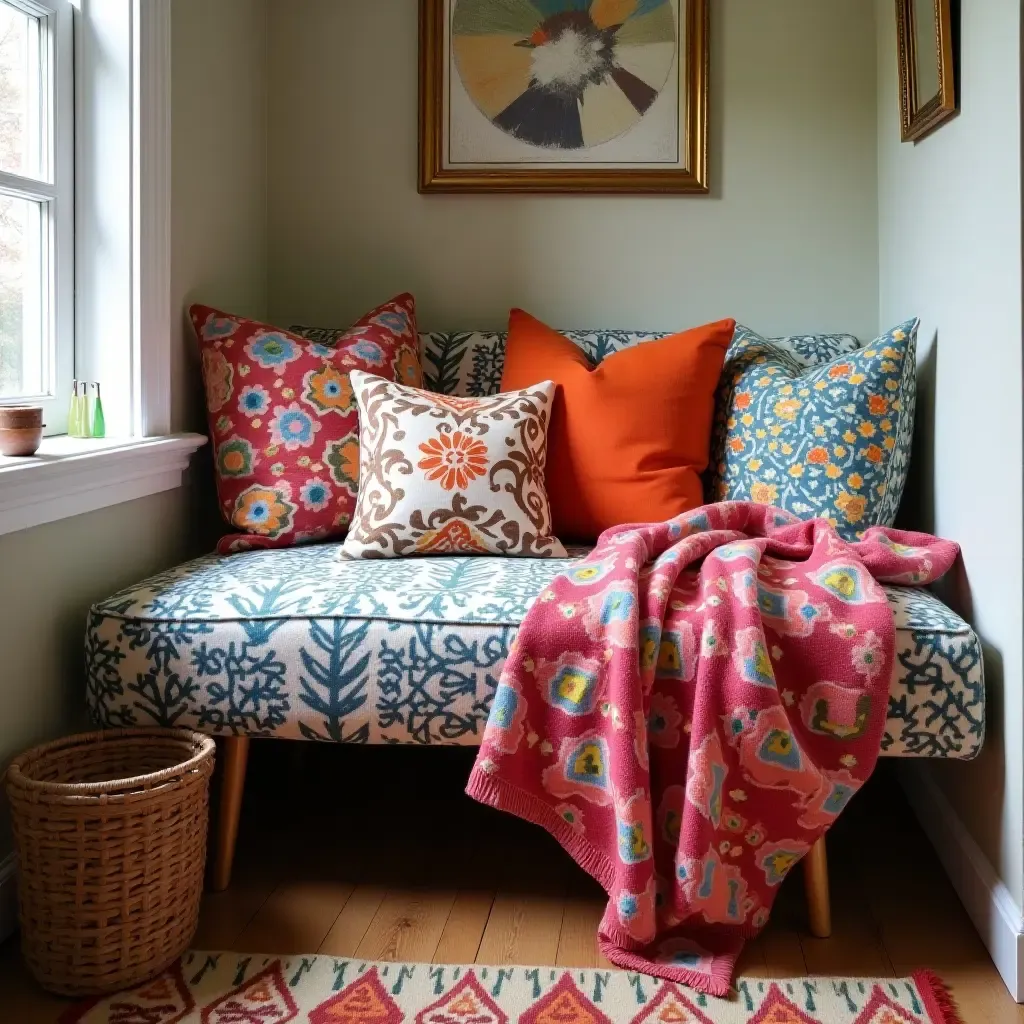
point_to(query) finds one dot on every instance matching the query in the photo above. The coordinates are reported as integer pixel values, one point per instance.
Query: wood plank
(352, 923)
(261, 862)
(920, 918)
(577, 940)
(780, 940)
(981, 995)
(855, 948)
(296, 919)
(224, 916)
(460, 940)
(407, 926)
(523, 928)
(751, 963)
(783, 955)
(851, 951)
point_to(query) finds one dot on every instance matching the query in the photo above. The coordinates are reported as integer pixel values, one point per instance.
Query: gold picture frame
(687, 174)
(927, 90)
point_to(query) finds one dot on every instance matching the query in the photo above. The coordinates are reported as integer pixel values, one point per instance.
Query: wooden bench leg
(819, 911)
(235, 756)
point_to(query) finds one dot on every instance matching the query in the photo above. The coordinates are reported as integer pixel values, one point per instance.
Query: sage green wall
(219, 238)
(52, 574)
(788, 240)
(950, 252)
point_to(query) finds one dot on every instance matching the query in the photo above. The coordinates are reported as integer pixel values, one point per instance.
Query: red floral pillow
(284, 422)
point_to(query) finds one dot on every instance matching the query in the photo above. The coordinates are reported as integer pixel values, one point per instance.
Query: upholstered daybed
(302, 644)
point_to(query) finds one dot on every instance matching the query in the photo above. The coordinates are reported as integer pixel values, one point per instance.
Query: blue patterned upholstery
(300, 643)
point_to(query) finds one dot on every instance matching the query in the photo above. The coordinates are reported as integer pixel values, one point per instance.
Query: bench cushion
(302, 644)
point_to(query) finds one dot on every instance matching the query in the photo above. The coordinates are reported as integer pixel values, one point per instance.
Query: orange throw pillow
(628, 439)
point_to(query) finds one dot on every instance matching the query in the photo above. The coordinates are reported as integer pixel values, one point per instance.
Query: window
(36, 206)
(85, 106)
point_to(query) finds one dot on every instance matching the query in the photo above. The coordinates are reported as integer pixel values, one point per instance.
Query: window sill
(70, 476)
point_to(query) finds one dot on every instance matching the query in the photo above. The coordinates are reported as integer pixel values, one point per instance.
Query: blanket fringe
(717, 984)
(938, 998)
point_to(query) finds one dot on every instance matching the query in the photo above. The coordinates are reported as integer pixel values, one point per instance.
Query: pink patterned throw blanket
(689, 708)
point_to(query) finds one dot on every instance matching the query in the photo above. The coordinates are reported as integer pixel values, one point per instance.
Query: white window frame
(123, 235)
(55, 187)
(124, 321)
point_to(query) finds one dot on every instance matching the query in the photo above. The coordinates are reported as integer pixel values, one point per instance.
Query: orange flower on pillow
(263, 510)
(329, 390)
(407, 368)
(852, 506)
(453, 461)
(764, 494)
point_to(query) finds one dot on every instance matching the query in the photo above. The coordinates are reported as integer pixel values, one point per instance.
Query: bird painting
(564, 74)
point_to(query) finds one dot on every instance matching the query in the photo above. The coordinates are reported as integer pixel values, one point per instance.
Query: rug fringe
(938, 998)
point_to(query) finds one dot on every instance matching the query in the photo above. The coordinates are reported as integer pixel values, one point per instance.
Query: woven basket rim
(202, 745)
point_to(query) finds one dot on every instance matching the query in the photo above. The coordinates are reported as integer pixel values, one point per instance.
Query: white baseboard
(8, 898)
(991, 906)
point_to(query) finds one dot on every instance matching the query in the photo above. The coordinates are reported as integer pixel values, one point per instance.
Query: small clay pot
(20, 431)
(20, 417)
(20, 441)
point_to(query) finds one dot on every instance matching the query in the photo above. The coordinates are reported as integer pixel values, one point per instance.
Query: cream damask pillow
(440, 475)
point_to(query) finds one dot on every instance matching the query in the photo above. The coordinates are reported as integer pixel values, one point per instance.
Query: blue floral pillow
(819, 439)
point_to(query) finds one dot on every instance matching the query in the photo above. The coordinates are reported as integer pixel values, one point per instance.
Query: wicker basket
(110, 830)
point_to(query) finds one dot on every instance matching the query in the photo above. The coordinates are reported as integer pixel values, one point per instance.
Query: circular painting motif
(564, 74)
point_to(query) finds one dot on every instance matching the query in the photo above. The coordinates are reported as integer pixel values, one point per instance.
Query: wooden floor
(376, 853)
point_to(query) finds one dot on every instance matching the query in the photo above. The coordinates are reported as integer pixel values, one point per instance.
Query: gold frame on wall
(434, 176)
(917, 122)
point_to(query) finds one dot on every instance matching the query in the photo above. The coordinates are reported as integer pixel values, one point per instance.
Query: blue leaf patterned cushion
(818, 438)
(302, 644)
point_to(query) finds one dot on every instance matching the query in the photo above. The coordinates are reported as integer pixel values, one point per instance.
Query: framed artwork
(590, 96)
(928, 98)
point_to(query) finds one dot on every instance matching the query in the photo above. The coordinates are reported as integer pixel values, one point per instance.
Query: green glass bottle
(99, 423)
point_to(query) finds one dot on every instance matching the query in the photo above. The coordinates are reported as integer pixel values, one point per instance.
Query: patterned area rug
(227, 988)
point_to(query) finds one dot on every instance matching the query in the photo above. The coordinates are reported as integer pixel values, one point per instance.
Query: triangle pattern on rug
(670, 1006)
(164, 1000)
(363, 1001)
(209, 987)
(467, 1003)
(777, 1009)
(880, 1009)
(263, 999)
(564, 1004)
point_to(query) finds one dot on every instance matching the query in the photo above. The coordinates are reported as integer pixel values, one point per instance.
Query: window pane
(24, 359)
(19, 92)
